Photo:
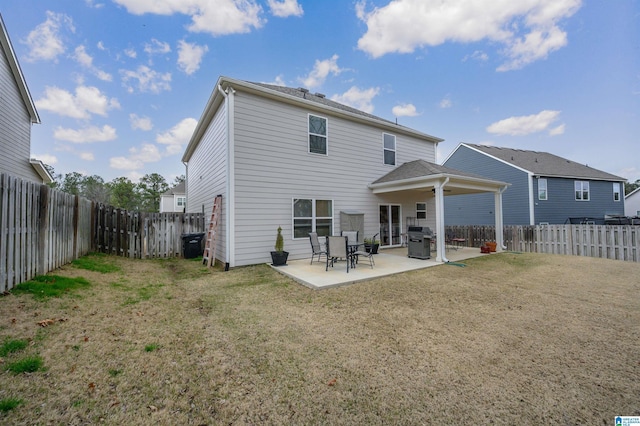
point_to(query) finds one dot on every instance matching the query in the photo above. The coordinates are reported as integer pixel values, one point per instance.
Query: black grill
(419, 242)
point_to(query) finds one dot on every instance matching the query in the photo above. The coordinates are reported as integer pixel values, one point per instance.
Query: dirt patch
(511, 338)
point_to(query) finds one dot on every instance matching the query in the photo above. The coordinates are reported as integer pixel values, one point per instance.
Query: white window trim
(313, 216)
(420, 211)
(619, 192)
(546, 189)
(582, 182)
(395, 149)
(309, 115)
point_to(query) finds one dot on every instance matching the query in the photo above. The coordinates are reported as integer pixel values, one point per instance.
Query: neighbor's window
(616, 191)
(181, 201)
(582, 190)
(421, 210)
(311, 215)
(542, 189)
(317, 134)
(389, 149)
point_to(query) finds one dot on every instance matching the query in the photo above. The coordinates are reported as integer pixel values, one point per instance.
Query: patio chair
(368, 254)
(337, 249)
(315, 247)
(352, 236)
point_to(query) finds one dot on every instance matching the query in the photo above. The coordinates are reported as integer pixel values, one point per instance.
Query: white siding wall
(632, 204)
(206, 176)
(273, 166)
(15, 127)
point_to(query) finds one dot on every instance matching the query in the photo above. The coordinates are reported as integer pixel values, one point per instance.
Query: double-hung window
(181, 201)
(310, 215)
(389, 149)
(542, 189)
(616, 191)
(317, 134)
(421, 210)
(582, 190)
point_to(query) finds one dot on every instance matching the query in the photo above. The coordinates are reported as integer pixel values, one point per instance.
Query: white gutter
(440, 232)
(532, 215)
(499, 218)
(230, 252)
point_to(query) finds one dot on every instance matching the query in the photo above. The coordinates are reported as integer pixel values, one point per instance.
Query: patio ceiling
(423, 176)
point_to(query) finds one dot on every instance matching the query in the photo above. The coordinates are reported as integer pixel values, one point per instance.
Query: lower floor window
(311, 215)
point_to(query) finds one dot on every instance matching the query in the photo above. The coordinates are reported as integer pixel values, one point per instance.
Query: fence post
(43, 228)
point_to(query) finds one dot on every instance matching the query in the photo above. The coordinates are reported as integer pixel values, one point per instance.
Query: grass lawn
(521, 339)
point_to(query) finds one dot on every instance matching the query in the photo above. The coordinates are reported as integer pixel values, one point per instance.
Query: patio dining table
(353, 247)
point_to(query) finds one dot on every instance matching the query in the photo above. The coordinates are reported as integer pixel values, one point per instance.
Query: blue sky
(120, 84)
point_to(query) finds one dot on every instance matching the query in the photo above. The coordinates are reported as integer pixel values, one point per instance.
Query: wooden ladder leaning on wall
(209, 255)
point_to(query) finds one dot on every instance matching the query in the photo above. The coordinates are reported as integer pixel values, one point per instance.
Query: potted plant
(371, 245)
(279, 256)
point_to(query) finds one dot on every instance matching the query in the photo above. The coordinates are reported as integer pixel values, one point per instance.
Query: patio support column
(440, 232)
(499, 220)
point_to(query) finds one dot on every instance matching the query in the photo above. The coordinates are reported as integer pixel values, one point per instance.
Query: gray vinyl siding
(15, 127)
(562, 205)
(207, 176)
(273, 166)
(478, 209)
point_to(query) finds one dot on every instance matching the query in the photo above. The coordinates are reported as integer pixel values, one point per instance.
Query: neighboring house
(544, 188)
(632, 203)
(17, 114)
(174, 200)
(286, 157)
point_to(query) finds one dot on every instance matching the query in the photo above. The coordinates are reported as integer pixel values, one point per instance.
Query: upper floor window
(311, 215)
(542, 189)
(582, 190)
(616, 191)
(421, 210)
(389, 149)
(317, 134)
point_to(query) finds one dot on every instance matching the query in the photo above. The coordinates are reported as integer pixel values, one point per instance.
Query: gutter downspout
(230, 258)
(440, 232)
(499, 218)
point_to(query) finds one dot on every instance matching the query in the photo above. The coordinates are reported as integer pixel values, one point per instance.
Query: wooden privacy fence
(619, 242)
(143, 235)
(42, 229)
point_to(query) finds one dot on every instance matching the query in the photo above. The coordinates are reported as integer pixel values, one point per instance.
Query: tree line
(630, 187)
(121, 192)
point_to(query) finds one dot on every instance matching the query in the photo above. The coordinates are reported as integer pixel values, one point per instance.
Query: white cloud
(87, 156)
(83, 58)
(142, 123)
(178, 136)
(157, 47)
(86, 101)
(147, 153)
(525, 125)
(528, 30)
(477, 55)
(404, 110)
(93, 4)
(559, 130)
(445, 102)
(278, 81)
(131, 52)
(148, 80)
(100, 45)
(360, 99)
(285, 8)
(47, 159)
(216, 17)
(45, 41)
(190, 56)
(321, 71)
(85, 135)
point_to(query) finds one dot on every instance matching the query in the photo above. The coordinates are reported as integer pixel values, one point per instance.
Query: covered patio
(388, 262)
(421, 180)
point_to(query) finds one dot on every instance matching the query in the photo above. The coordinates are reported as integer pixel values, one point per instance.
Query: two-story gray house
(286, 157)
(17, 114)
(544, 188)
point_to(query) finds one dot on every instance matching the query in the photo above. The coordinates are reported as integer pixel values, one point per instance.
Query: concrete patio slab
(388, 262)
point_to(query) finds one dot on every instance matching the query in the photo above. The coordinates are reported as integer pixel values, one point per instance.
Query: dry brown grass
(510, 339)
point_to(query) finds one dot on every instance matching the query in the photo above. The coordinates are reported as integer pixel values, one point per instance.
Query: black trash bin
(192, 245)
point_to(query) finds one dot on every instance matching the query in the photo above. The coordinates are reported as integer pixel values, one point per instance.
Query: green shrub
(9, 404)
(26, 365)
(12, 345)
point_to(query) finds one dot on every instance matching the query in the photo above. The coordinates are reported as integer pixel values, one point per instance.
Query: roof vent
(303, 90)
(320, 95)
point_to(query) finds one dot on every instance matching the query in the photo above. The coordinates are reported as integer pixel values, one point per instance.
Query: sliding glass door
(390, 225)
